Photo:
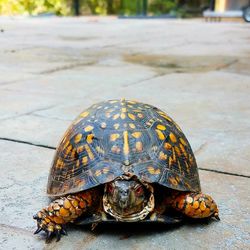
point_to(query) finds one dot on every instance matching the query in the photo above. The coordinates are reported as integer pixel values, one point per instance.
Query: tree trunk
(110, 9)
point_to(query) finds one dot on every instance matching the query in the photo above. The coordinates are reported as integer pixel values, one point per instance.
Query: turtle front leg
(194, 205)
(52, 218)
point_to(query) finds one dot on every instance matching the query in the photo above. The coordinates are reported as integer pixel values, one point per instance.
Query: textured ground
(199, 73)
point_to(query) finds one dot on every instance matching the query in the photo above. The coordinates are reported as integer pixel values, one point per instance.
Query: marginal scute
(119, 136)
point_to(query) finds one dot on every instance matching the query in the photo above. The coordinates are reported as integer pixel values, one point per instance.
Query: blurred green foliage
(97, 7)
(162, 7)
(34, 7)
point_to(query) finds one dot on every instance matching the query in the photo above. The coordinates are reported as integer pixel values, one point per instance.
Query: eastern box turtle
(124, 161)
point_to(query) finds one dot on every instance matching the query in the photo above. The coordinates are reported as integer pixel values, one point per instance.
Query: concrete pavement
(53, 68)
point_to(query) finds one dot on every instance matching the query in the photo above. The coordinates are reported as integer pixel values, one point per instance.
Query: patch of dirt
(190, 64)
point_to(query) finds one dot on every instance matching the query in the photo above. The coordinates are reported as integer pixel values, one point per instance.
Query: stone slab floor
(199, 73)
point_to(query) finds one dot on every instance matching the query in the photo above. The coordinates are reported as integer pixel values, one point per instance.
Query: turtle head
(128, 199)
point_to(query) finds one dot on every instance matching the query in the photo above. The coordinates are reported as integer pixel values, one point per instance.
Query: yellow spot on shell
(131, 116)
(113, 137)
(73, 153)
(85, 160)
(116, 126)
(183, 141)
(80, 149)
(124, 110)
(177, 150)
(170, 161)
(125, 145)
(136, 110)
(77, 163)
(78, 137)
(167, 146)
(88, 128)
(132, 102)
(173, 181)
(153, 171)
(116, 116)
(66, 144)
(161, 127)
(183, 150)
(90, 138)
(59, 163)
(136, 134)
(105, 170)
(84, 114)
(98, 172)
(99, 150)
(187, 167)
(131, 125)
(177, 126)
(123, 116)
(162, 156)
(166, 117)
(161, 136)
(172, 137)
(89, 152)
(140, 115)
(138, 146)
(113, 101)
(173, 156)
(68, 149)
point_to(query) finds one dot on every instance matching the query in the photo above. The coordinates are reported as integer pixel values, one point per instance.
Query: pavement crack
(28, 113)
(226, 65)
(143, 80)
(26, 142)
(66, 67)
(224, 172)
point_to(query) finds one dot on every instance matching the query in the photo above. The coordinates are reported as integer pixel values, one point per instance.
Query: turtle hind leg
(195, 205)
(54, 217)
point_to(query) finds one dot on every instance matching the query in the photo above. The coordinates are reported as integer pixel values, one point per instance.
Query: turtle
(123, 161)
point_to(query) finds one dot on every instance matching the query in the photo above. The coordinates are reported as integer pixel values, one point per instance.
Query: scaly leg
(66, 209)
(194, 205)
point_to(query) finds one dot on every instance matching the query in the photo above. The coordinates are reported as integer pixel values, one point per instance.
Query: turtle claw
(64, 232)
(216, 216)
(49, 233)
(58, 235)
(36, 217)
(39, 229)
(48, 236)
(44, 223)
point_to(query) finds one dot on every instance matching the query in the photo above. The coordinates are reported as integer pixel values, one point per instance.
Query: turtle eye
(139, 190)
(110, 188)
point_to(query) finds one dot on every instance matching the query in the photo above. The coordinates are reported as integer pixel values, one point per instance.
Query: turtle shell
(119, 137)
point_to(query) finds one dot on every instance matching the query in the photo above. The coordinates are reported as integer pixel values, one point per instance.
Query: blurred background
(124, 8)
